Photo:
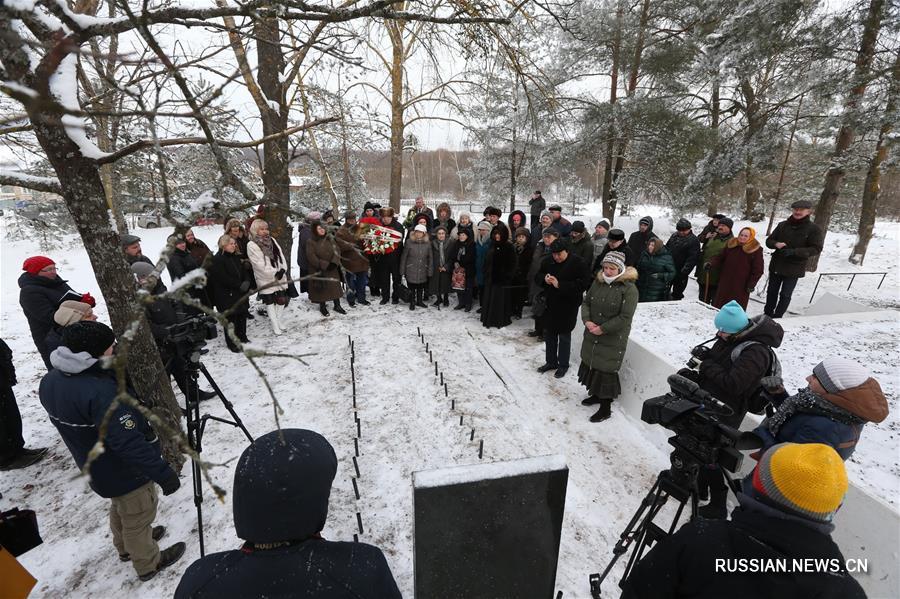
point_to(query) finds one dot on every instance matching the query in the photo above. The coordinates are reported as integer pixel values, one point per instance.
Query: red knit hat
(36, 264)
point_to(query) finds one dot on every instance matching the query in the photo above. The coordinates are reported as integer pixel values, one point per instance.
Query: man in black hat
(559, 223)
(536, 205)
(685, 249)
(77, 395)
(580, 243)
(795, 241)
(638, 240)
(131, 245)
(615, 241)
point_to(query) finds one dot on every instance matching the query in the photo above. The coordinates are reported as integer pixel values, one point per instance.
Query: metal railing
(852, 276)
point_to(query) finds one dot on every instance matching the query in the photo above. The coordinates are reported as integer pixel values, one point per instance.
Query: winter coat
(740, 267)
(540, 253)
(481, 252)
(637, 241)
(866, 403)
(352, 258)
(7, 369)
(305, 565)
(135, 259)
(737, 382)
(536, 206)
(304, 233)
(684, 565)
(227, 275)
(454, 233)
(264, 270)
(685, 252)
(499, 269)
(509, 221)
(563, 226)
(324, 261)
(53, 338)
(583, 248)
(524, 255)
(181, 262)
(599, 242)
(630, 257)
(412, 213)
(656, 272)
(804, 240)
(562, 303)
(711, 249)
(499, 262)
(200, 251)
(448, 224)
(77, 394)
(709, 228)
(464, 255)
(416, 261)
(39, 298)
(442, 255)
(610, 305)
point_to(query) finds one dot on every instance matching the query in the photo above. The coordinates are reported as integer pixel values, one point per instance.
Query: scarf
(807, 402)
(269, 249)
(610, 280)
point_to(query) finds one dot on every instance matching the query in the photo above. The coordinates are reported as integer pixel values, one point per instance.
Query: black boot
(604, 412)
(338, 308)
(446, 301)
(323, 309)
(420, 293)
(436, 303)
(590, 400)
(412, 305)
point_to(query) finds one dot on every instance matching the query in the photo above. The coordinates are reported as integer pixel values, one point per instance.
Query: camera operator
(162, 314)
(282, 484)
(77, 395)
(731, 371)
(785, 512)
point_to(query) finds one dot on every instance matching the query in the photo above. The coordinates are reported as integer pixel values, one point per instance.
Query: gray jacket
(415, 263)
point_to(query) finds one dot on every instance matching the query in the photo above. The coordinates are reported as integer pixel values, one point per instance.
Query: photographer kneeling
(785, 515)
(731, 371)
(282, 484)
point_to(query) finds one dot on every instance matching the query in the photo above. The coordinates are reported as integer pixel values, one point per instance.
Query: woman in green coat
(606, 311)
(656, 271)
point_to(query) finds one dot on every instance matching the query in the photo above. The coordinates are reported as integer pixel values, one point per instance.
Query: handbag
(19, 531)
(458, 279)
(539, 304)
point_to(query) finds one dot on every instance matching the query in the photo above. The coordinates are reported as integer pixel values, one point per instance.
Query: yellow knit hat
(806, 479)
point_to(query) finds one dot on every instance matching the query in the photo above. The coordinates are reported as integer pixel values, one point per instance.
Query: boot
(590, 400)
(167, 557)
(157, 533)
(420, 293)
(604, 412)
(412, 305)
(272, 312)
(446, 301)
(322, 309)
(23, 459)
(436, 303)
(459, 306)
(338, 308)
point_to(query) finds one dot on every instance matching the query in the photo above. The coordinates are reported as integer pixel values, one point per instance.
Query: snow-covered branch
(17, 179)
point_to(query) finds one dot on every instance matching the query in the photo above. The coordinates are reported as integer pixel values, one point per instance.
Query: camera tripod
(196, 425)
(678, 482)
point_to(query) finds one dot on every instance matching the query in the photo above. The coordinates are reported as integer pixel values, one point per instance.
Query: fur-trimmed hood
(630, 275)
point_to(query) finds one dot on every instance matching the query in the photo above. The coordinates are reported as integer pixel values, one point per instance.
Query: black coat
(637, 241)
(564, 302)
(181, 262)
(464, 255)
(77, 394)
(630, 258)
(737, 382)
(161, 314)
(499, 269)
(684, 565)
(7, 369)
(227, 275)
(524, 254)
(804, 240)
(685, 252)
(39, 298)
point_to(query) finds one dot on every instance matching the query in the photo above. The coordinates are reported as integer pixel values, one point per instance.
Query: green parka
(713, 248)
(656, 272)
(612, 307)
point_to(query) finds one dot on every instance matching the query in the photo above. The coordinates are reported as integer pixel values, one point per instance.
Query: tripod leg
(228, 405)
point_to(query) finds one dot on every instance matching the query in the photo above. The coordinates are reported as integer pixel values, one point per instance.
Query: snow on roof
(457, 475)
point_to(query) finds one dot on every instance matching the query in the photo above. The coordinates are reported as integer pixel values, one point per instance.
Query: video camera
(189, 335)
(692, 414)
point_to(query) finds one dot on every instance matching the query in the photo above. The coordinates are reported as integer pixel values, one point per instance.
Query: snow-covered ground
(406, 423)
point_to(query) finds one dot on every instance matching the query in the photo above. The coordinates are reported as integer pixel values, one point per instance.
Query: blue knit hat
(731, 318)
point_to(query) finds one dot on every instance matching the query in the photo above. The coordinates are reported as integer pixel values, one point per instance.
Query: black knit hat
(683, 224)
(727, 222)
(578, 226)
(90, 336)
(616, 235)
(558, 245)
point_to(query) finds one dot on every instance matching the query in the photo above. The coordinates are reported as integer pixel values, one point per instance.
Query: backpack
(759, 400)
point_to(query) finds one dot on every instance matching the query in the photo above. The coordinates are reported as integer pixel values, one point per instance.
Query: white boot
(280, 316)
(272, 311)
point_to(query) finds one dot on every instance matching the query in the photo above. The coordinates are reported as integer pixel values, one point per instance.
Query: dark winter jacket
(161, 314)
(685, 252)
(353, 259)
(481, 252)
(416, 261)
(227, 276)
(181, 262)
(736, 382)
(683, 566)
(280, 498)
(637, 241)
(610, 305)
(410, 221)
(464, 255)
(523, 221)
(656, 272)
(709, 228)
(711, 249)
(39, 298)
(536, 206)
(500, 260)
(7, 369)
(304, 233)
(584, 248)
(540, 252)
(524, 255)
(838, 421)
(77, 394)
(324, 261)
(53, 338)
(630, 257)
(740, 268)
(200, 251)
(562, 303)
(135, 259)
(442, 255)
(804, 240)
(563, 226)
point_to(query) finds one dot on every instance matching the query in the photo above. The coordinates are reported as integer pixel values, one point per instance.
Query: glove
(245, 286)
(772, 384)
(279, 274)
(707, 267)
(170, 484)
(89, 300)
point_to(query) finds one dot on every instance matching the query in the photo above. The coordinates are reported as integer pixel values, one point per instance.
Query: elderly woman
(324, 260)
(197, 248)
(228, 284)
(740, 266)
(269, 267)
(443, 219)
(606, 311)
(465, 222)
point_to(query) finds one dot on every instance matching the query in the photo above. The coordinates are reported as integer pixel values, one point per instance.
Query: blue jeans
(557, 349)
(356, 286)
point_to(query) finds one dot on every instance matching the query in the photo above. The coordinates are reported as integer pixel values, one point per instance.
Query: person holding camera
(269, 267)
(78, 395)
(841, 398)
(282, 484)
(785, 512)
(731, 371)
(229, 282)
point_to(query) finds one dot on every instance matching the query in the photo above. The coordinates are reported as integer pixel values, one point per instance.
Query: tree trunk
(276, 177)
(712, 197)
(784, 163)
(834, 177)
(607, 198)
(872, 185)
(756, 121)
(397, 125)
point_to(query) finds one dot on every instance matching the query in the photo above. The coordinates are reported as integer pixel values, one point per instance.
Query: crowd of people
(558, 269)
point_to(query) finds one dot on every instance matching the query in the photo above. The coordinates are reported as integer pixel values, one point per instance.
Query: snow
(204, 201)
(17, 87)
(64, 86)
(456, 475)
(25, 178)
(407, 425)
